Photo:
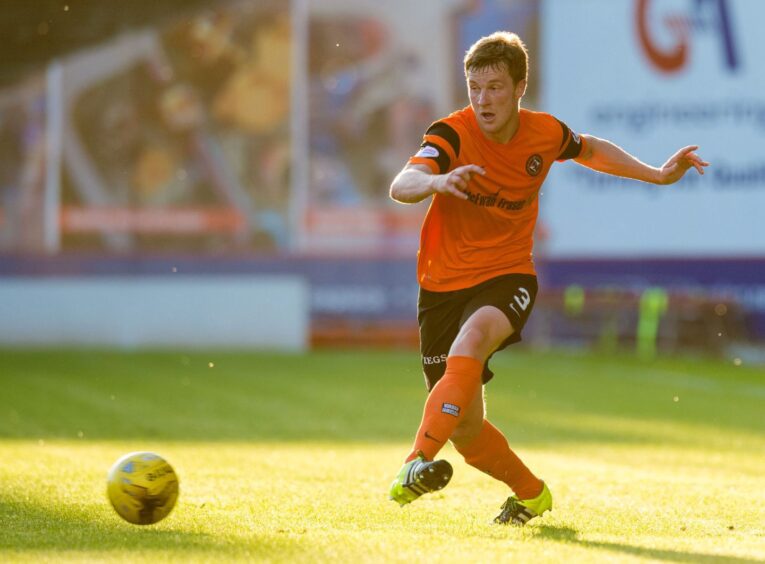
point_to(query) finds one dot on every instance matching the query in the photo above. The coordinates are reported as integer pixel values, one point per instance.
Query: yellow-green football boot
(418, 477)
(520, 511)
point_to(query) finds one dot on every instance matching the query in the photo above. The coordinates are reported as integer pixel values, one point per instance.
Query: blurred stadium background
(215, 173)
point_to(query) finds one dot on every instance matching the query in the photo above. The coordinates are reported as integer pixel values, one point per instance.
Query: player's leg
(439, 315)
(487, 448)
(490, 452)
(454, 402)
(469, 429)
(453, 394)
(420, 473)
(484, 447)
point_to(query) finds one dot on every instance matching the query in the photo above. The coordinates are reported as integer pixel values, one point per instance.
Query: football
(142, 487)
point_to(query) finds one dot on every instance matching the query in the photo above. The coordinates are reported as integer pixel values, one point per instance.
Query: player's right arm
(416, 182)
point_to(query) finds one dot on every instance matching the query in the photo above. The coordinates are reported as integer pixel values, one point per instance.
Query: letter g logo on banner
(707, 15)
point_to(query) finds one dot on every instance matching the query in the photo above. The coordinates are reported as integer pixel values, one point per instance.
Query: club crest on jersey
(427, 152)
(534, 164)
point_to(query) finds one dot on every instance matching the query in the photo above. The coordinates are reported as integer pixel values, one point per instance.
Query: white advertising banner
(653, 76)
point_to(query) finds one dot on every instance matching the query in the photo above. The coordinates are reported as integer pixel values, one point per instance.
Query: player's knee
(473, 341)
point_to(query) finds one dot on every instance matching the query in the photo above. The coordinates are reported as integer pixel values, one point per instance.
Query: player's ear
(520, 88)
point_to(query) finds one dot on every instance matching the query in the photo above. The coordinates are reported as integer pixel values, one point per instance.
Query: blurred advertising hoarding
(653, 76)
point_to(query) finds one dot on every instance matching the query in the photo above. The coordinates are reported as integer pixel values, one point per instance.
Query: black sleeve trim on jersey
(442, 160)
(448, 133)
(571, 144)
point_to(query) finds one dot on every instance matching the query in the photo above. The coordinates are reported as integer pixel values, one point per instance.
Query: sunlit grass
(288, 459)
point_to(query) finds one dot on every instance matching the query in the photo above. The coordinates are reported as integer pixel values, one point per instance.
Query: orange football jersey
(465, 242)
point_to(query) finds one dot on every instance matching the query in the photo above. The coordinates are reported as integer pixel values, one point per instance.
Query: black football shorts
(441, 314)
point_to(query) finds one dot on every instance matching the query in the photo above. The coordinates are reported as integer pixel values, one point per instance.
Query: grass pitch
(288, 458)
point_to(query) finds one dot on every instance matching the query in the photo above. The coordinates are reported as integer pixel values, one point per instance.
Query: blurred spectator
(363, 109)
(22, 168)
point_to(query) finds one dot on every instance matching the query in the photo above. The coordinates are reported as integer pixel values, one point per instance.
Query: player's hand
(455, 182)
(674, 169)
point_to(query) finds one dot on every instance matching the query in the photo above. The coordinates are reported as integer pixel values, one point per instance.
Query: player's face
(495, 101)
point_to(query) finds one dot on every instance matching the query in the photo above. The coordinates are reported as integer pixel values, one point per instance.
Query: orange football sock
(446, 403)
(490, 453)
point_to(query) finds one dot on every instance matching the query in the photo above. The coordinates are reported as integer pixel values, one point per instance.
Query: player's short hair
(500, 49)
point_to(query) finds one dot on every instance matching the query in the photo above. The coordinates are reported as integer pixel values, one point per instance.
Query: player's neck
(506, 133)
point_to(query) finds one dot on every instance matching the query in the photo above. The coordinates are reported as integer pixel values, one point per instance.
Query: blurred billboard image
(674, 74)
(660, 75)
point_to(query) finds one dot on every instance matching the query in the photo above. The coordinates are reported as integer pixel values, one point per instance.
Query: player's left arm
(604, 156)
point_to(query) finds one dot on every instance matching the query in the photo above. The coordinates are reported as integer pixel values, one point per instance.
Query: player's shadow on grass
(571, 536)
